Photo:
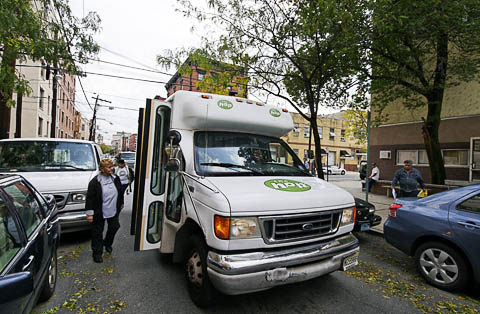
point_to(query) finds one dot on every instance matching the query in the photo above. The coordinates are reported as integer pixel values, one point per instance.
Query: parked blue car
(29, 235)
(442, 231)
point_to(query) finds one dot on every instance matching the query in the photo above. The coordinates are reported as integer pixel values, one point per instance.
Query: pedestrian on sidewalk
(314, 167)
(306, 163)
(104, 202)
(125, 174)
(408, 178)
(374, 176)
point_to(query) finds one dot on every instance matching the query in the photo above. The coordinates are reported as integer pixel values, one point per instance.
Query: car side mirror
(173, 165)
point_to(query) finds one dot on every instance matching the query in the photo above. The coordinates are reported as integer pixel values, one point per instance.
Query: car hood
(275, 194)
(59, 181)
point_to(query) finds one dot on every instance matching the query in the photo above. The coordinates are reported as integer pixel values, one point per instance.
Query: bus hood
(59, 181)
(254, 195)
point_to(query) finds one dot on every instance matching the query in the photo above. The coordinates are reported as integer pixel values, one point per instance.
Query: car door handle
(29, 263)
(469, 225)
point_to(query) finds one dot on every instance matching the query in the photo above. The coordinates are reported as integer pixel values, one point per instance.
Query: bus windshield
(240, 154)
(46, 156)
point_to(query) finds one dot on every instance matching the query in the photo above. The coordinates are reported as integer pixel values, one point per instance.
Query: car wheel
(442, 266)
(200, 288)
(343, 172)
(50, 280)
(329, 172)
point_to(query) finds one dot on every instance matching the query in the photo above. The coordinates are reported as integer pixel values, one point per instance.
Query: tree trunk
(7, 64)
(431, 124)
(431, 139)
(318, 146)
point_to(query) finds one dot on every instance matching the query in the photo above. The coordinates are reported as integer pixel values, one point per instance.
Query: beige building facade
(338, 149)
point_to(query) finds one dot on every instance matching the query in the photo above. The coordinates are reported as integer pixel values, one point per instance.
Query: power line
(127, 58)
(125, 77)
(85, 95)
(131, 67)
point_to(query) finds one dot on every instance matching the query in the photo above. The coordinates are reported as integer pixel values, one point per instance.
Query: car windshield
(46, 156)
(239, 154)
(127, 155)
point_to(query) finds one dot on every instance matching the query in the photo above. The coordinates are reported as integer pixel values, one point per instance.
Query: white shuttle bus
(217, 187)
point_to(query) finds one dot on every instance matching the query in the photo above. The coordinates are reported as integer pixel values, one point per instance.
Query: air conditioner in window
(385, 154)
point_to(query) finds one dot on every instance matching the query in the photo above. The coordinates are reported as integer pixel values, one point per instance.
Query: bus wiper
(64, 165)
(228, 165)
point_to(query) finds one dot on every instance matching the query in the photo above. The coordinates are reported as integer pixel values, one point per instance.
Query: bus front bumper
(256, 271)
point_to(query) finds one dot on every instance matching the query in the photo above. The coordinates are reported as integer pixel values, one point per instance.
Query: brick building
(400, 137)
(197, 74)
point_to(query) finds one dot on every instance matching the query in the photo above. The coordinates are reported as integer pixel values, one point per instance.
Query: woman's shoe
(97, 259)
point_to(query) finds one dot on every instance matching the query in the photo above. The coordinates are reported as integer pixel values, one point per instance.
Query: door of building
(474, 159)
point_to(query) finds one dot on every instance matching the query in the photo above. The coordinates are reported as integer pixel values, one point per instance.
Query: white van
(56, 166)
(218, 188)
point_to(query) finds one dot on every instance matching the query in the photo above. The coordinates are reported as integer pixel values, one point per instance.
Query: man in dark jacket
(408, 178)
(104, 202)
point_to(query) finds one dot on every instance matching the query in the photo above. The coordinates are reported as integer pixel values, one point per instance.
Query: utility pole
(368, 156)
(93, 125)
(53, 125)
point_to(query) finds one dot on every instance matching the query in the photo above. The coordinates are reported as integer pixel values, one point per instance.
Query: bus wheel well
(182, 246)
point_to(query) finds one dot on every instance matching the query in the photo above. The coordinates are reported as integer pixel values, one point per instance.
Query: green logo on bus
(225, 104)
(287, 185)
(275, 112)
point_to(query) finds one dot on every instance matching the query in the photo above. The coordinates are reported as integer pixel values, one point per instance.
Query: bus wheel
(200, 288)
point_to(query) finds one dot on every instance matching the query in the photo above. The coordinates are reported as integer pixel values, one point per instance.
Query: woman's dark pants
(97, 233)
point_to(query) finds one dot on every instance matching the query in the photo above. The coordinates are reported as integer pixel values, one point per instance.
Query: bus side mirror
(174, 137)
(173, 165)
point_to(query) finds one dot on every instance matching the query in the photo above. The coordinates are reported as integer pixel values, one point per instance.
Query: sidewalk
(381, 202)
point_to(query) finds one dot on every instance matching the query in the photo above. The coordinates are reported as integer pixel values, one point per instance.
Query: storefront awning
(344, 153)
(323, 152)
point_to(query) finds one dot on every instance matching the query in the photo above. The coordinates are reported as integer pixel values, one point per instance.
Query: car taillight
(393, 210)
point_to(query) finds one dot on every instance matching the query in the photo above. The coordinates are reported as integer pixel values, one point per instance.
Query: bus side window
(162, 124)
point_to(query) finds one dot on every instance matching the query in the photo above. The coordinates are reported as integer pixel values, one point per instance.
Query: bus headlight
(241, 228)
(236, 228)
(348, 216)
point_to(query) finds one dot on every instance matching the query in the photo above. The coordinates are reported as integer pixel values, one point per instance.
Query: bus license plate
(350, 261)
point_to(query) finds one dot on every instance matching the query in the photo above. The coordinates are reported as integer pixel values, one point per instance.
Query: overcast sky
(133, 33)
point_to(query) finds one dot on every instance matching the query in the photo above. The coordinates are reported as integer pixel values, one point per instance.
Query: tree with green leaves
(40, 30)
(417, 49)
(299, 52)
(357, 125)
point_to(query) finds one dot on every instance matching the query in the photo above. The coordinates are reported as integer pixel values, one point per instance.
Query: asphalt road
(144, 282)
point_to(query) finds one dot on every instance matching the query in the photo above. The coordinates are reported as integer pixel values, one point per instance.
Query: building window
(332, 134)
(83, 127)
(342, 135)
(305, 153)
(455, 157)
(296, 129)
(320, 131)
(417, 156)
(306, 131)
(40, 99)
(40, 126)
(48, 104)
(201, 74)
